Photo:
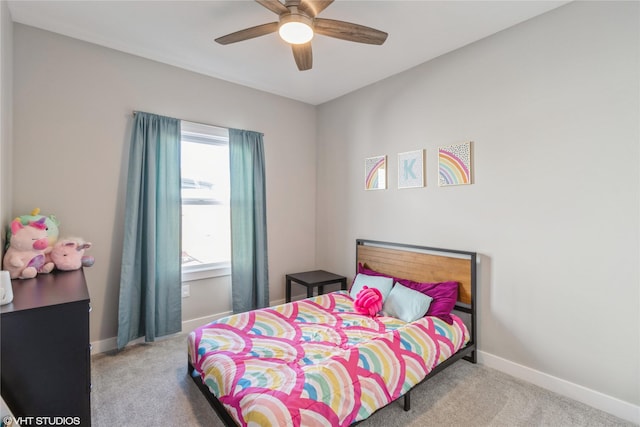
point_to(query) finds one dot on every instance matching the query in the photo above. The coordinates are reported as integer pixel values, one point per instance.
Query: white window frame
(205, 134)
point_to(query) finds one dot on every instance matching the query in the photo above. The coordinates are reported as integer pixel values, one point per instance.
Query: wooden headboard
(421, 264)
(426, 264)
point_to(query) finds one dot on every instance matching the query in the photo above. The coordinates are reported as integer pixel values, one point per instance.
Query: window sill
(206, 272)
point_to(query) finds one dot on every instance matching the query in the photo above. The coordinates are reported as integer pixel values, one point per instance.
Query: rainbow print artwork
(375, 173)
(454, 164)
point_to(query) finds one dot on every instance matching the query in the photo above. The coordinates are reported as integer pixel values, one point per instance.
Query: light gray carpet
(148, 385)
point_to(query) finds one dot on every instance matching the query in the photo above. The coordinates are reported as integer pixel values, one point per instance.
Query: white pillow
(383, 284)
(406, 304)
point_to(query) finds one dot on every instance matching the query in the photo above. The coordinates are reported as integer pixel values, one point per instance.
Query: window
(206, 228)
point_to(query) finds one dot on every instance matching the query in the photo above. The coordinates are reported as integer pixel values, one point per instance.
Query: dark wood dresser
(44, 348)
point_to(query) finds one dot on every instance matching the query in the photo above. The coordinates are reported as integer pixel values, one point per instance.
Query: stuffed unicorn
(68, 254)
(25, 257)
(52, 227)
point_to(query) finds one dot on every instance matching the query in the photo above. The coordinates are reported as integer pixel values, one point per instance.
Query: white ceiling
(181, 33)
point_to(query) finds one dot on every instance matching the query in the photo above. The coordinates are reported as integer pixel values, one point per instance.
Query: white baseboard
(276, 302)
(109, 344)
(621, 409)
(190, 325)
(103, 346)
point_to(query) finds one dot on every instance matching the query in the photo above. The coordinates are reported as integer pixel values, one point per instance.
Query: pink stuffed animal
(68, 254)
(368, 301)
(25, 257)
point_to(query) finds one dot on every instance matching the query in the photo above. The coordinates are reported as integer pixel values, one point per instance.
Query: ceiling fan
(297, 24)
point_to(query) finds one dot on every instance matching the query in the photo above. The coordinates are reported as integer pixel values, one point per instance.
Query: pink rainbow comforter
(316, 362)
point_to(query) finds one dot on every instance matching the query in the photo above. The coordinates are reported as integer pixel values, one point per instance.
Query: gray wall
(73, 104)
(552, 108)
(6, 116)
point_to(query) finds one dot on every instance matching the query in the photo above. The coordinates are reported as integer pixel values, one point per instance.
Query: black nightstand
(311, 279)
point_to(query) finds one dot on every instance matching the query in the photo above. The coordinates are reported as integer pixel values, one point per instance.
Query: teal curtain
(249, 270)
(150, 278)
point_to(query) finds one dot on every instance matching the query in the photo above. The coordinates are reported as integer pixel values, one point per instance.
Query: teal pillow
(406, 304)
(383, 284)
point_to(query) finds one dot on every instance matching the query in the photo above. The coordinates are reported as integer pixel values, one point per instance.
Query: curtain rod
(133, 114)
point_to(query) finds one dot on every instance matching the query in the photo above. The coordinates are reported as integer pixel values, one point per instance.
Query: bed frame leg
(471, 357)
(407, 401)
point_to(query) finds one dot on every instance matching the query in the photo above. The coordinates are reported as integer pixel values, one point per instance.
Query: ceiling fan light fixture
(298, 21)
(295, 29)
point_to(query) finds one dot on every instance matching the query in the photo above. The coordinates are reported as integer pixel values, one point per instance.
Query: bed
(317, 362)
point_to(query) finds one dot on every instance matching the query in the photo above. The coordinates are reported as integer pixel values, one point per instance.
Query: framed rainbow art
(375, 173)
(454, 164)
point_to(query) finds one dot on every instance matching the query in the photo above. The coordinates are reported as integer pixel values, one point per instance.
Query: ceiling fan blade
(274, 6)
(314, 7)
(249, 33)
(348, 31)
(303, 56)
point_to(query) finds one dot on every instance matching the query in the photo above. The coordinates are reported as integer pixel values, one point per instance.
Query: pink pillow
(368, 301)
(444, 294)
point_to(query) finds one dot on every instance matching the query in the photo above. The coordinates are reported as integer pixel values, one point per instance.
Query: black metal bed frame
(468, 352)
